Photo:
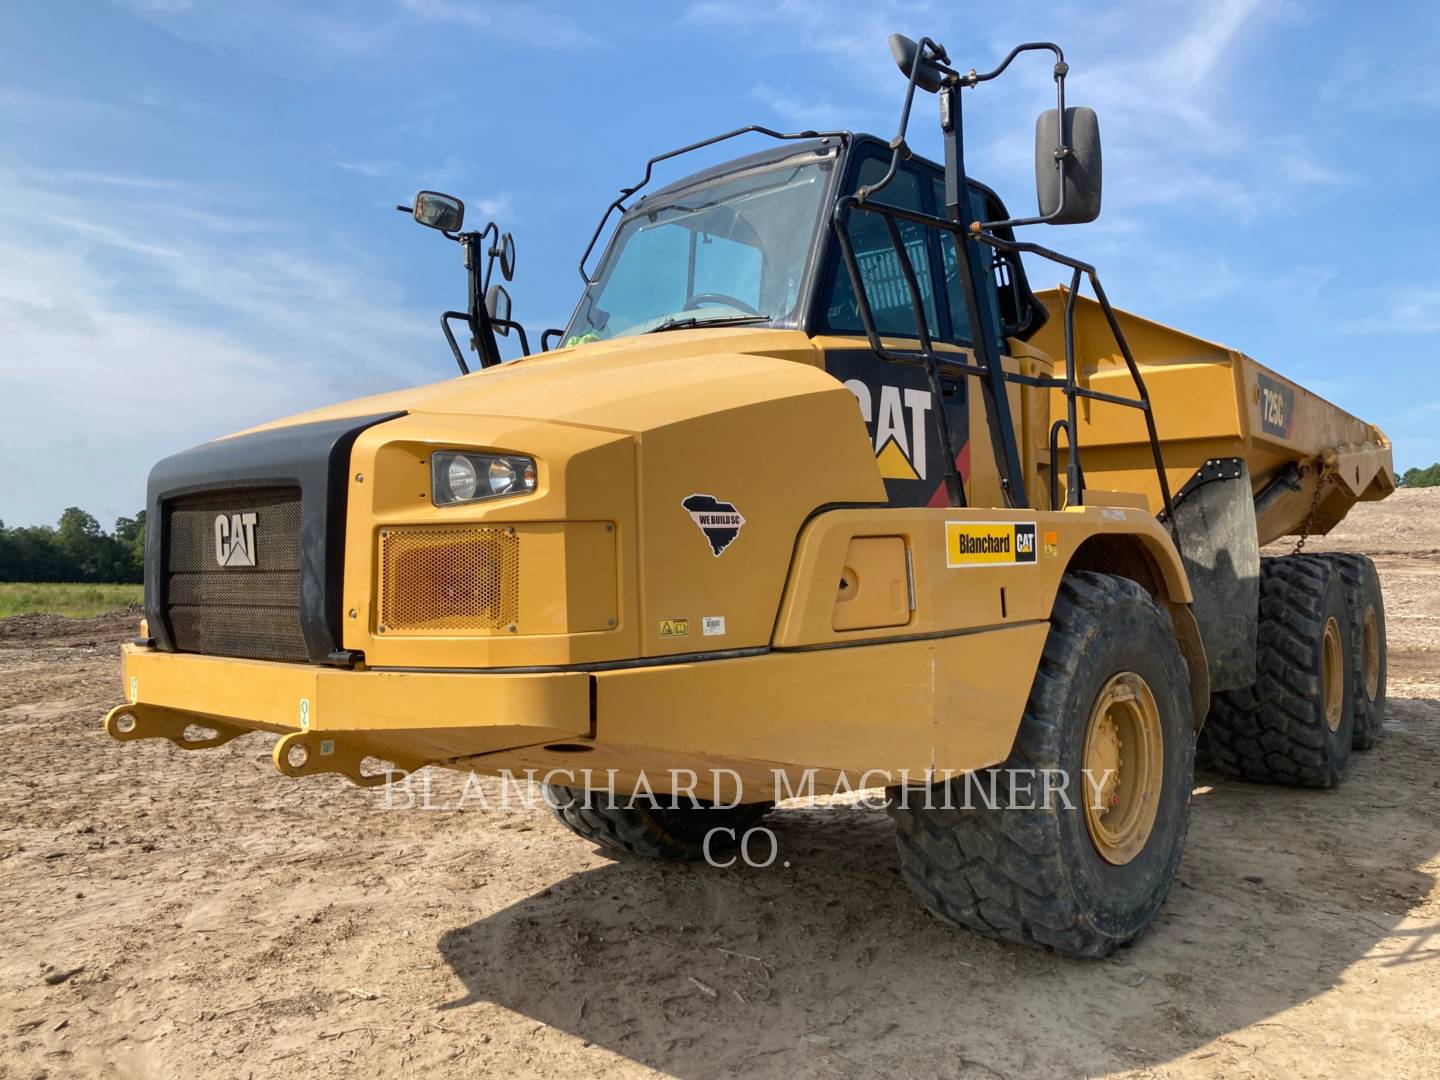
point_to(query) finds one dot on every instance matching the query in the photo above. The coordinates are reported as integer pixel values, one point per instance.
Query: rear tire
(1295, 724)
(1055, 875)
(1367, 638)
(657, 832)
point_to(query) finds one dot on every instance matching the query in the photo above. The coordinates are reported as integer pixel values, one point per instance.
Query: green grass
(75, 601)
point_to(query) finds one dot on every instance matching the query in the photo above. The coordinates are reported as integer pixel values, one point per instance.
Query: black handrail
(926, 356)
(1071, 390)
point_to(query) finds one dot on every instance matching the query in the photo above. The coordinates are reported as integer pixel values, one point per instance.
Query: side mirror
(497, 305)
(437, 210)
(507, 257)
(904, 50)
(1082, 169)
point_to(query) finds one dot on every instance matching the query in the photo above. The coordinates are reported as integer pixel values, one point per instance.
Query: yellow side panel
(950, 703)
(814, 452)
(946, 599)
(955, 591)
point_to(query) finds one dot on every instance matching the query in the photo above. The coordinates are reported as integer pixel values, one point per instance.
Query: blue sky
(196, 230)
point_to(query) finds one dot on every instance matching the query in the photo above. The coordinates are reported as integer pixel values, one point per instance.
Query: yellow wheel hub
(1124, 767)
(1372, 654)
(1332, 672)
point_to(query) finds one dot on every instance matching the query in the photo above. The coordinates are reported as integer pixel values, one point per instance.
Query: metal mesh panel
(452, 579)
(235, 610)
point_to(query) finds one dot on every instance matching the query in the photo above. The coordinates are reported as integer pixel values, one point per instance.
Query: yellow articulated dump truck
(812, 493)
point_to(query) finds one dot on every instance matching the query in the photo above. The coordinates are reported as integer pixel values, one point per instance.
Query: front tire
(1112, 685)
(676, 833)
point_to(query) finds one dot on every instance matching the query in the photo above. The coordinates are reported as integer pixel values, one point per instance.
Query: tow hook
(127, 723)
(306, 753)
(301, 753)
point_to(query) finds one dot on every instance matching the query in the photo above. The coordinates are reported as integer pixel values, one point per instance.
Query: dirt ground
(223, 921)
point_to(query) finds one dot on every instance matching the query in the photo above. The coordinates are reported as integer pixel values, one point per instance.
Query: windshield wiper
(690, 321)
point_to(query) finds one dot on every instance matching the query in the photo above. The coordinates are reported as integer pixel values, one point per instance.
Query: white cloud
(95, 393)
(547, 25)
(125, 336)
(804, 112)
(371, 169)
(1417, 311)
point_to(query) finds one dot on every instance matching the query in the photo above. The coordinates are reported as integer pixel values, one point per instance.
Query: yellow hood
(631, 384)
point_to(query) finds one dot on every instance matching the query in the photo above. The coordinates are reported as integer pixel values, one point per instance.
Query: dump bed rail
(1309, 460)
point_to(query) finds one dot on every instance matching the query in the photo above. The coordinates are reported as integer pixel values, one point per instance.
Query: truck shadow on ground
(829, 966)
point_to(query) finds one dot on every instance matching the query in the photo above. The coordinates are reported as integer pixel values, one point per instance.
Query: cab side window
(959, 314)
(880, 271)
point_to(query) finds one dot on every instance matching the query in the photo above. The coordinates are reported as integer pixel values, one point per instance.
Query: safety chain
(1320, 473)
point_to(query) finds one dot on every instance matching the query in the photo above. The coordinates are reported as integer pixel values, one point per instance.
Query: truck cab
(750, 243)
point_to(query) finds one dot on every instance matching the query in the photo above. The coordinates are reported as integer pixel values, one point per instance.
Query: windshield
(734, 250)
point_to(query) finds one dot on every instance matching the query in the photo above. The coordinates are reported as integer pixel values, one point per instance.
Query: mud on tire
(1032, 874)
(654, 831)
(1278, 730)
(1367, 638)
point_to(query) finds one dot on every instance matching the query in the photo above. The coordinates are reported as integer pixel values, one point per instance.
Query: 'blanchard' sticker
(719, 521)
(989, 543)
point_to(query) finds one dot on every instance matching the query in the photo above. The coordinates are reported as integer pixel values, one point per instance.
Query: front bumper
(881, 711)
(408, 718)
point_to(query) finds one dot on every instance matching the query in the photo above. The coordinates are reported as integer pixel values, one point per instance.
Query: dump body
(1211, 402)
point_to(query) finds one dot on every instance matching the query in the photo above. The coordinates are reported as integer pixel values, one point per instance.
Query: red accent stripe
(962, 464)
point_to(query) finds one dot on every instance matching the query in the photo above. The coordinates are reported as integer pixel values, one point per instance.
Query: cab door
(895, 399)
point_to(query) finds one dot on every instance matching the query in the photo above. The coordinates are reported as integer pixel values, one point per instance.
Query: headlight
(459, 478)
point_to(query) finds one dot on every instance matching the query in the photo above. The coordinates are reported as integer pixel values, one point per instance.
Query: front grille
(236, 609)
(465, 578)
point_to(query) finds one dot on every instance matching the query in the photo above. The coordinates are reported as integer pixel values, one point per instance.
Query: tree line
(77, 549)
(1418, 478)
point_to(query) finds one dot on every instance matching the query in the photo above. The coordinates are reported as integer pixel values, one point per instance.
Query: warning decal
(674, 628)
(989, 543)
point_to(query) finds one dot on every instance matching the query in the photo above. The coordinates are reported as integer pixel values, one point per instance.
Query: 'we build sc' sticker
(989, 543)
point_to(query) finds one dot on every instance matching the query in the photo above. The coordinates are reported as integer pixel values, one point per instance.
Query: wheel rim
(1372, 655)
(1332, 670)
(1123, 759)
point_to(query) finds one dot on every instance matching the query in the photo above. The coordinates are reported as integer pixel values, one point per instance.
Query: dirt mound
(1407, 522)
(22, 631)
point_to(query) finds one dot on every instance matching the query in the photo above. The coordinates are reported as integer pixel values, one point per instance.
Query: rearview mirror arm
(929, 53)
(482, 333)
(1062, 152)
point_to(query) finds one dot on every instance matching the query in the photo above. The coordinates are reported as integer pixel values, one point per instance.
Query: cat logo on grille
(235, 539)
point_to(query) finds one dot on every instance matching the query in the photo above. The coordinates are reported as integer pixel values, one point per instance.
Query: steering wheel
(719, 298)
